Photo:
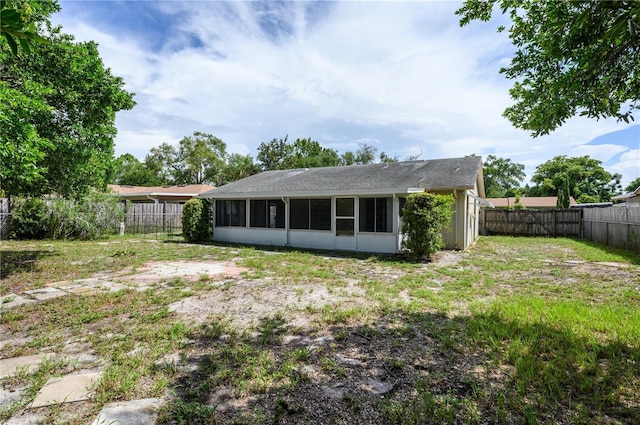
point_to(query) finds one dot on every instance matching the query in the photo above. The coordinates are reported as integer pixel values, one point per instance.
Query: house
(351, 208)
(160, 194)
(631, 199)
(529, 202)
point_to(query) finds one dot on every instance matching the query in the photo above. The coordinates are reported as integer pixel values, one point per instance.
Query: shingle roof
(435, 174)
(189, 189)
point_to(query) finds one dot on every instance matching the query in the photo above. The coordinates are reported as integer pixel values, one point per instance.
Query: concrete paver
(42, 294)
(12, 300)
(611, 264)
(138, 412)
(86, 285)
(11, 366)
(9, 396)
(69, 388)
(27, 417)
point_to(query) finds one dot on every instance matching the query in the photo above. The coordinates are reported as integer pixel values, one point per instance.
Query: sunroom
(351, 208)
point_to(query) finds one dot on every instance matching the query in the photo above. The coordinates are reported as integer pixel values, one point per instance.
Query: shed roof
(529, 201)
(394, 177)
(628, 195)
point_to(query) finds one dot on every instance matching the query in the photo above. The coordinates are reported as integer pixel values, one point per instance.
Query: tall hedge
(196, 220)
(90, 217)
(424, 216)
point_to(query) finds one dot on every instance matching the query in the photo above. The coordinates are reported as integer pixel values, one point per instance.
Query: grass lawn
(514, 330)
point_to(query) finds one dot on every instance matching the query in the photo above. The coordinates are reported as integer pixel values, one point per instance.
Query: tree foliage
(583, 177)
(633, 185)
(365, 154)
(128, 170)
(23, 150)
(384, 158)
(159, 161)
(279, 154)
(572, 57)
(274, 155)
(424, 216)
(63, 119)
(238, 167)
(197, 159)
(502, 177)
(17, 27)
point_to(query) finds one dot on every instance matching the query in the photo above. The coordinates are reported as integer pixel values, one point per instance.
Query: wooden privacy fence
(616, 226)
(553, 222)
(153, 218)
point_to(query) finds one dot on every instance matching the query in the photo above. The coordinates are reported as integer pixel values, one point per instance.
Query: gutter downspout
(155, 200)
(286, 220)
(396, 219)
(455, 228)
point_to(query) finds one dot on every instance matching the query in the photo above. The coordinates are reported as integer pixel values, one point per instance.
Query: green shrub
(424, 216)
(30, 219)
(90, 217)
(196, 221)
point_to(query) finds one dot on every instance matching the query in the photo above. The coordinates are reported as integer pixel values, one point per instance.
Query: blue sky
(400, 76)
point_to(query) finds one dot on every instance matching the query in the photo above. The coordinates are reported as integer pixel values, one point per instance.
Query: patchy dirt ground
(245, 302)
(265, 350)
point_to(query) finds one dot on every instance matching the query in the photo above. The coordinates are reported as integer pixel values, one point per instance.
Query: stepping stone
(138, 412)
(11, 366)
(10, 396)
(610, 264)
(27, 418)
(12, 300)
(83, 290)
(68, 389)
(378, 387)
(334, 391)
(45, 293)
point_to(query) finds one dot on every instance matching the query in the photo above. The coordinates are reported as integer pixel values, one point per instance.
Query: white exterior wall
(250, 235)
(312, 239)
(377, 242)
(633, 202)
(465, 223)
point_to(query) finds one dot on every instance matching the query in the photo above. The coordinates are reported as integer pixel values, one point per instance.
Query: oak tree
(279, 154)
(583, 177)
(502, 177)
(61, 125)
(572, 58)
(129, 170)
(197, 159)
(633, 185)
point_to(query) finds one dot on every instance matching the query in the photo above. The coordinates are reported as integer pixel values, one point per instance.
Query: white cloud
(400, 73)
(600, 152)
(628, 165)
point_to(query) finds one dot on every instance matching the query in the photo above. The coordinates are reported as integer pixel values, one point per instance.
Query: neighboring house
(159, 194)
(350, 208)
(631, 199)
(529, 202)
